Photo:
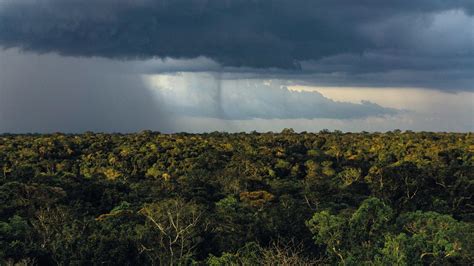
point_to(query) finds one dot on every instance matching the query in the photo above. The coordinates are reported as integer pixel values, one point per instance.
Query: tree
(178, 226)
(354, 238)
(330, 231)
(429, 238)
(15, 240)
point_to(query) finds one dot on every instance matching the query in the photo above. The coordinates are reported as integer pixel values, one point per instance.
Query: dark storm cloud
(252, 33)
(47, 93)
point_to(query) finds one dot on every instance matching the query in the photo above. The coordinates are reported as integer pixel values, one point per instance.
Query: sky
(236, 65)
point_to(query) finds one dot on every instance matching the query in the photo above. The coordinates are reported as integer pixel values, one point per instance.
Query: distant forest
(395, 198)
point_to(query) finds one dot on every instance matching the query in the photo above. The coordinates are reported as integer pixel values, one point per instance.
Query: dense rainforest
(395, 198)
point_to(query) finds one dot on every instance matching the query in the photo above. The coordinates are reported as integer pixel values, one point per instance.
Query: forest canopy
(395, 198)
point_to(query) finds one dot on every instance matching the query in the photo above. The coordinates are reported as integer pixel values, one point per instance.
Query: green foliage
(330, 231)
(396, 198)
(13, 235)
(371, 235)
(432, 238)
(370, 219)
(354, 237)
